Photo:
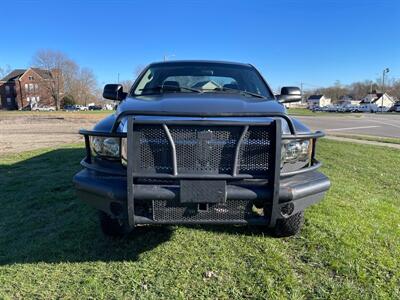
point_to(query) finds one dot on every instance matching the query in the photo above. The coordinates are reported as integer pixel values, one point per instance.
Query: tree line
(73, 84)
(358, 90)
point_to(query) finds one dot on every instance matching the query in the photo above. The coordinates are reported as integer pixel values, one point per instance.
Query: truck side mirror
(289, 94)
(114, 92)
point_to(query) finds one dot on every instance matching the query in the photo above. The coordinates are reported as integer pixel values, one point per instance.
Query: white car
(81, 107)
(383, 109)
(43, 108)
(368, 107)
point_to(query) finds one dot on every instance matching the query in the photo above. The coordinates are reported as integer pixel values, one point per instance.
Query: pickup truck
(200, 142)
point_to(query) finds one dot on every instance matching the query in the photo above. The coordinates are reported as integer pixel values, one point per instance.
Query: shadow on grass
(41, 219)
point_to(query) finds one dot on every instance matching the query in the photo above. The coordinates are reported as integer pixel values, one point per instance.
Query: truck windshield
(201, 78)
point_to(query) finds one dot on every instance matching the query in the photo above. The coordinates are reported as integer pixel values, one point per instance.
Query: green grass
(51, 245)
(369, 138)
(307, 112)
(302, 112)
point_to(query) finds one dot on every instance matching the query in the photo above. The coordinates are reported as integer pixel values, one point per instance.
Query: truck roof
(184, 62)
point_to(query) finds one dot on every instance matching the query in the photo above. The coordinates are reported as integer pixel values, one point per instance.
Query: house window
(30, 78)
(8, 100)
(26, 87)
(28, 99)
(7, 89)
(31, 87)
(37, 98)
(36, 87)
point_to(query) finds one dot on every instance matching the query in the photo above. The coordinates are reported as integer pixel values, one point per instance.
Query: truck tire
(111, 226)
(289, 226)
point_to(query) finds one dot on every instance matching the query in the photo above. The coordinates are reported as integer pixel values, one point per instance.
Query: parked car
(182, 150)
(383, 109)
(368, 107)
(108, 107)
(316, 108)
(395, 107)
(95, 107)
(81, 107)
(43, 108)
(70, 108)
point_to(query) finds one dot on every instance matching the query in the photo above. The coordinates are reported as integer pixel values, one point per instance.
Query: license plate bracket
(202, 191)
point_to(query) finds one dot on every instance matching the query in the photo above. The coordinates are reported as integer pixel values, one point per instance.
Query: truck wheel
(111, 226)
(290, 226)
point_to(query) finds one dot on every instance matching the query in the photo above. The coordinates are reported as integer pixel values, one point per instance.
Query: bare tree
(85, 86)
(126, 84)
(4, 71)
(69, 81)
(61, 68)
(138, 70)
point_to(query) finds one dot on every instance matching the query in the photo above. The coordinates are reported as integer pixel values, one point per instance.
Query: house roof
(17, 73)
(14, 74)
(375, 97)
(315, 97)
(204, 83)
(45, 74)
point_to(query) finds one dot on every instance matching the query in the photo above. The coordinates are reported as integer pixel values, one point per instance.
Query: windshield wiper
(170, 88)
(241, 92)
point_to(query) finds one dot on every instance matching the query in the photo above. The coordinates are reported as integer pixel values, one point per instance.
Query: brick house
(26, 88)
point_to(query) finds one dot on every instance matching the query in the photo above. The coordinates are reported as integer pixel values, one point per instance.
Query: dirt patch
(29, 131)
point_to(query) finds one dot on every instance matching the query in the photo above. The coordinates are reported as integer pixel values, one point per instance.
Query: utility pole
(385, 71)
(166, 56)
(117, 89)
(301, 92)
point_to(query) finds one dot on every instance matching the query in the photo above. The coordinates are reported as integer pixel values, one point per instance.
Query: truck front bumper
(109, 193)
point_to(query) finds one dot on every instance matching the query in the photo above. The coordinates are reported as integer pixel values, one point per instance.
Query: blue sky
(290, 41)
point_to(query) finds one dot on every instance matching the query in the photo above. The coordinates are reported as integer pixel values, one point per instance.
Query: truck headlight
(107, 147)
(296, 151)
(124, 151)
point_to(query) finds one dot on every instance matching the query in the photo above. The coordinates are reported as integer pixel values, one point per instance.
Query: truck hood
(200, 103)
(208, 104)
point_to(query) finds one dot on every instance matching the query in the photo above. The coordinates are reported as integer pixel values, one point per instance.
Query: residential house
(26, 88)
(318, 101)
(347, 100)
(206, 85)
(380, 99)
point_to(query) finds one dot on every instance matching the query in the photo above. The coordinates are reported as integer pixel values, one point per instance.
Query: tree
(4, 71)
(70, 82)
(61, 68)
(126, 84)
(138, 70)
(84, 86)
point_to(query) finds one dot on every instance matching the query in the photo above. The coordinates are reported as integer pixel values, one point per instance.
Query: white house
(207, 85)
(347, 101)
(380, 99)
(318, 101)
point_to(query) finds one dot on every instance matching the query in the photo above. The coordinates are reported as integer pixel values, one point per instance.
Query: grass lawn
(51, 245)
(369, 138)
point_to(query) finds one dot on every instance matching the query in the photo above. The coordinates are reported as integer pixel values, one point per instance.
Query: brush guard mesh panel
(205, 149)
(191, 150)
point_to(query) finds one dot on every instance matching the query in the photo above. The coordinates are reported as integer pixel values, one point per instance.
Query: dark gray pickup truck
(200, 142)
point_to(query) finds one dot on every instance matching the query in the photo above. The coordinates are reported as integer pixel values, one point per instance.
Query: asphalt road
(386, 125)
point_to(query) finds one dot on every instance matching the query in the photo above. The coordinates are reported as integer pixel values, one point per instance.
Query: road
(386, 125)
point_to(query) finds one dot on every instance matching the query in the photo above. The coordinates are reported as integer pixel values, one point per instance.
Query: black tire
(290, 226)
(111, 226)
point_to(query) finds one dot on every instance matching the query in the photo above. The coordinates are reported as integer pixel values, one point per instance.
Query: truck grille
(204, 149)
(174, 211)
